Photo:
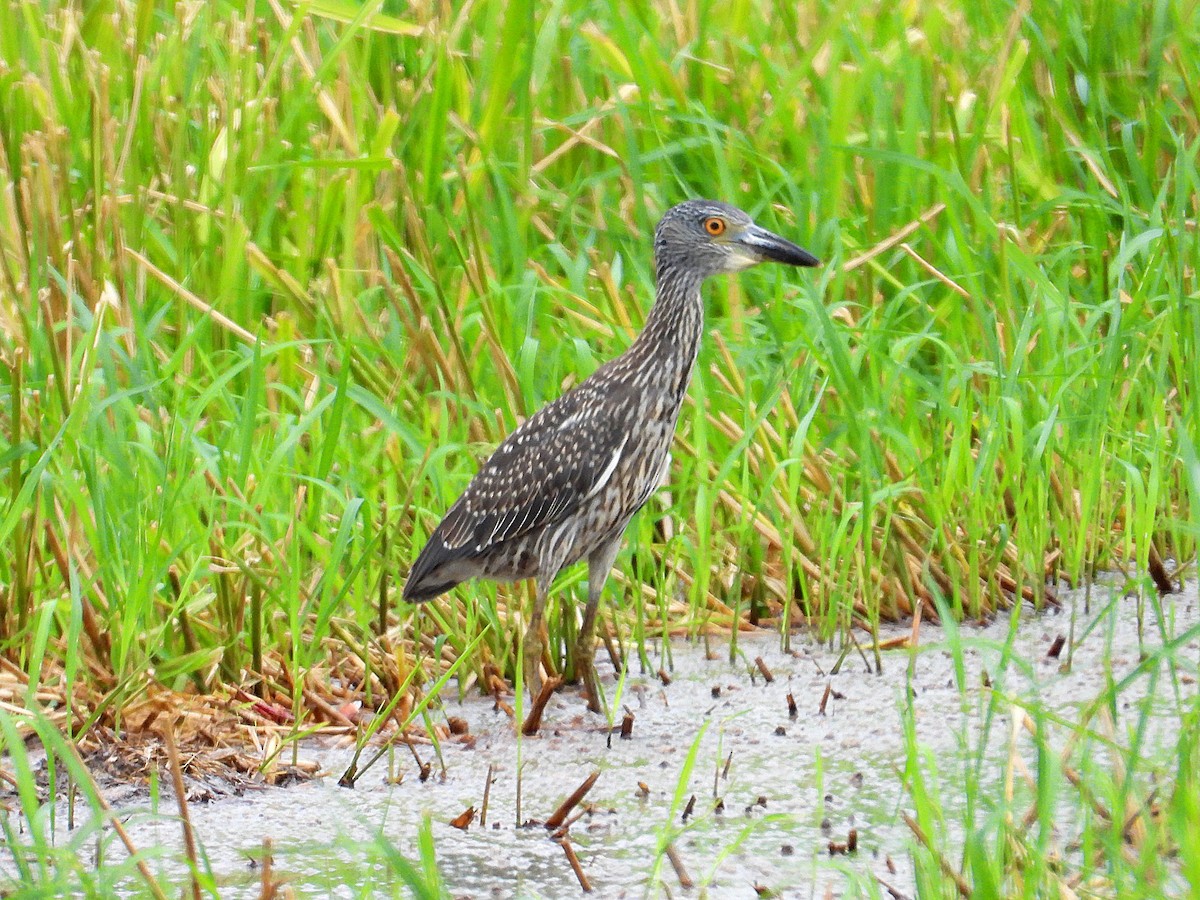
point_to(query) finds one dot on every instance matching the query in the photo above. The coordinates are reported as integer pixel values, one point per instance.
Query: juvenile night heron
(564, 485)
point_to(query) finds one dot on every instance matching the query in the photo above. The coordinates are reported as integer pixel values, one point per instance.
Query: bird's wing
(558, 459)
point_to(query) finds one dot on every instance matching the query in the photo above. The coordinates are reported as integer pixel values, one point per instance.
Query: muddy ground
(777, 795)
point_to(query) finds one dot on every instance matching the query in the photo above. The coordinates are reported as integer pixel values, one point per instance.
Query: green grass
(272, 286)
(1097, 800)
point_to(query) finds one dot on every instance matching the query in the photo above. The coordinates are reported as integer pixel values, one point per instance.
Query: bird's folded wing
(555, 461)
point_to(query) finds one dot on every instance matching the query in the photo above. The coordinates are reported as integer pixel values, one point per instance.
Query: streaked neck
(670, 340)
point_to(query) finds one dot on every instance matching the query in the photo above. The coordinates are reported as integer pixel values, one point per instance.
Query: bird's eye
(714, 225)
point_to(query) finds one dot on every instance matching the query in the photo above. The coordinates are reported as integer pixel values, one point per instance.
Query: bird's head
(706, 237)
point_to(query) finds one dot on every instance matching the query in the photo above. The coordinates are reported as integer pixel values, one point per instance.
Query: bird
(563, 486)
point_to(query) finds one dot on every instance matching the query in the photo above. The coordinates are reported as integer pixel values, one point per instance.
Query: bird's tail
(428, 577)
(419, 593)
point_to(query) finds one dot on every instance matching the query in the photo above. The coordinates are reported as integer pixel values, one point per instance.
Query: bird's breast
(639, 473)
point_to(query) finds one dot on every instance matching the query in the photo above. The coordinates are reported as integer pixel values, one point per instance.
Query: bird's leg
(533, 639)
(599, 564)
(585, 651)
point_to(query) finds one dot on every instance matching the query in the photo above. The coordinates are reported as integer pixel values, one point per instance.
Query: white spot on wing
(608, 472)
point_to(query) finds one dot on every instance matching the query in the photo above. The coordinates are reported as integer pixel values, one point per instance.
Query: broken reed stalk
(721, 772)
(534, 720)
(266, 889)
(614, 655)
(685, 880)
(690, 808)
(892, 891)
(189, 836)
(914, 639)
(565, 829)
(560, 815)
(487, 792)
(1158, 572)
(565, 843)
(256, 648)
(1070, 774)
(960, 883)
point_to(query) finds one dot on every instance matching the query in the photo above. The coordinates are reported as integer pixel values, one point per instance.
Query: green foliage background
(275, 277)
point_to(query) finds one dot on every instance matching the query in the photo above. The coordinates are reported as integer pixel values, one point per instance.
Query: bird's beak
(763, 245)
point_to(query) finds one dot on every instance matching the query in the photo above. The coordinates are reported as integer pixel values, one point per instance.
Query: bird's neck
(671, 338)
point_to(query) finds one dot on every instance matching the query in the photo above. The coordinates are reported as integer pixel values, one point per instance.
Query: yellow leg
(533, 646)
(585, 658)
(599, 564)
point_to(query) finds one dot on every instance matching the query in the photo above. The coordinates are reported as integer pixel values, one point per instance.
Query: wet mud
(779, 770)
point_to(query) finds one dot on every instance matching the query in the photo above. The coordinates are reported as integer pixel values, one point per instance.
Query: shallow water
(791, 786)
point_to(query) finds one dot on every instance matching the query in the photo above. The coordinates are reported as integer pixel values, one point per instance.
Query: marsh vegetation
(275, 277)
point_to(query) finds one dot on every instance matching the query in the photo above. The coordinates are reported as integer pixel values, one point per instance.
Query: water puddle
(771, 791)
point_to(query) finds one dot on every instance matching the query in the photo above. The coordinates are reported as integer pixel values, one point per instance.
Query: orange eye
(714, 225)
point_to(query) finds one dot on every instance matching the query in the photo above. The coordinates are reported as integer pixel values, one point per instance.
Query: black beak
(769, 246)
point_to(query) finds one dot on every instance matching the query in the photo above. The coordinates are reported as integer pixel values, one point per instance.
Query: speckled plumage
(564, 485)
